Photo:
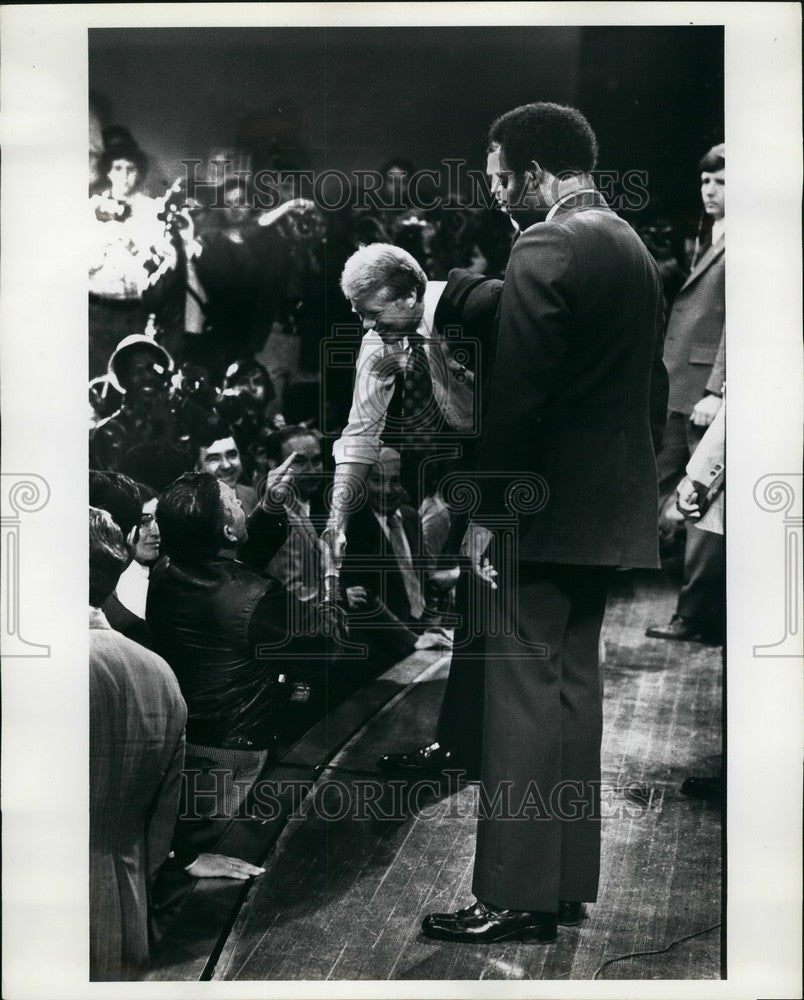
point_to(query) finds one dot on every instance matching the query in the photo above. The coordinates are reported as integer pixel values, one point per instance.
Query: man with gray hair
(408, 390)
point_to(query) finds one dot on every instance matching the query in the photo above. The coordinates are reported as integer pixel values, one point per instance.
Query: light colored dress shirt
(378, 365)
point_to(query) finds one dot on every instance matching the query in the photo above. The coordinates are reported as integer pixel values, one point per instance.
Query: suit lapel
(711, 255)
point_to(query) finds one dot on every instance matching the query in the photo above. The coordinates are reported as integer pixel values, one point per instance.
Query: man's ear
(228, 533)
(536, 173)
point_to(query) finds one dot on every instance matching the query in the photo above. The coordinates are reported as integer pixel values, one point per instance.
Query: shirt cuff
(363, 451)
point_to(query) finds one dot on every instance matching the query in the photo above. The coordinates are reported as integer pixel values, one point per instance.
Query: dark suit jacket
(126, 622)
(136, 753)
(366, 544)
(578, 392)
(694, 347)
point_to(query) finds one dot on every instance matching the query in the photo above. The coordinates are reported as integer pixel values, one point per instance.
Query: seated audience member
(136, 735)
(132, 590)
(215, 622)
(384, 588)
(297, 563)
(136, 728)
(120, 497)
(218, 453)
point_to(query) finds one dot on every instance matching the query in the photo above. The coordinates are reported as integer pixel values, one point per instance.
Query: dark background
(351, 98)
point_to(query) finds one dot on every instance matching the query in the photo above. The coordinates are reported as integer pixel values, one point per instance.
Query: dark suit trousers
(702, 597)
(538, 835)
(460, 720)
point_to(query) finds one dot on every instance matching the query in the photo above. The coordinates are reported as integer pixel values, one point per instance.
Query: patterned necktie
(410, 578)
(420, 416)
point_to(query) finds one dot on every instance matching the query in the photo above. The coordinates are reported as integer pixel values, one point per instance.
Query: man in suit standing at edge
(578, 374)
(695, 355)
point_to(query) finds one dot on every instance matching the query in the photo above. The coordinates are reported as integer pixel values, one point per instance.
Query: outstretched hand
(222, 866)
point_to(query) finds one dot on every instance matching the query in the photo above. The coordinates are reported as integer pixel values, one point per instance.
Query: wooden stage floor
(342, 897)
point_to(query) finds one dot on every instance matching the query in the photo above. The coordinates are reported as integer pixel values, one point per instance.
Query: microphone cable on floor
(661, 951)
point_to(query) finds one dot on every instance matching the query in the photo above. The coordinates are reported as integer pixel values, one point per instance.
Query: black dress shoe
(681, 629)
(709, 789)
(431, 760)
(570, 913)
(483, 924)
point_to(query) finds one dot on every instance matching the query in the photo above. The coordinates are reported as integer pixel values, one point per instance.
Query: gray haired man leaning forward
(409, 390)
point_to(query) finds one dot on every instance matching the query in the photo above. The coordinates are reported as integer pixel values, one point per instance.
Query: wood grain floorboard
(343, 896)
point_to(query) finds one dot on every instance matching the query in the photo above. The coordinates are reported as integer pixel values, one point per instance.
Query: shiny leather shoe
(570, 913)
(709, 789)
(680, 629)
(431, 760)
(484, 925)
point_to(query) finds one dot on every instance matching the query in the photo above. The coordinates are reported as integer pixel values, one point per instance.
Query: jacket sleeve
(532, 340)
(165, 809)
(659, 388)
(267, 533)
(718, 373)
(470, 303)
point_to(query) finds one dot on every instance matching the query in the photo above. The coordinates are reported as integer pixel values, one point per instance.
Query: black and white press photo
(392, 367)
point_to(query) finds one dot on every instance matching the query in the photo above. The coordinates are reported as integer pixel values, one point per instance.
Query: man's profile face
(392, 316)
(713, 193)
(519, 195)
(234, 515)
(222, 459)
(142, 374)
(306, 467)
(383, 487)
(123, 177)
(499, 184)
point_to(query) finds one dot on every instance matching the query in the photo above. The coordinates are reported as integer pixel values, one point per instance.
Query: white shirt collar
(568, 197)
(718, 230)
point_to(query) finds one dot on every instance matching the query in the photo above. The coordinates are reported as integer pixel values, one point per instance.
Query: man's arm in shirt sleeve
(358, 447)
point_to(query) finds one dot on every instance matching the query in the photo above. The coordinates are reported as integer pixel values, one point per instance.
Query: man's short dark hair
(213, 429)
(191, 518)
(119, 495)
(557, 137)
(108, 555)
(272, 441)
(714, 159)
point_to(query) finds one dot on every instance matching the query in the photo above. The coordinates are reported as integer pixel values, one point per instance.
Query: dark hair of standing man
(108, 555)
(119, 495)
(713, 160)
(559, 138)
(191, 518)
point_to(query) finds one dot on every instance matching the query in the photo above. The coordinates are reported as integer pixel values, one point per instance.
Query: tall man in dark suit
(695, 355)
(578, 374)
